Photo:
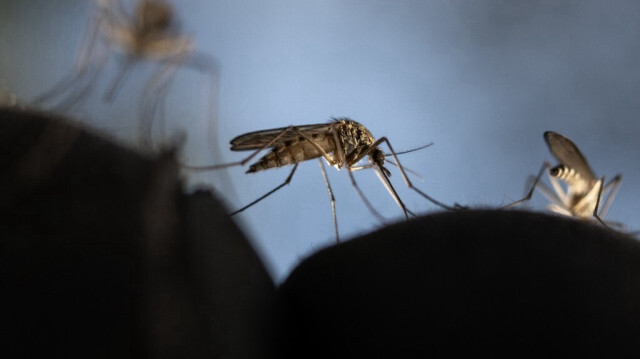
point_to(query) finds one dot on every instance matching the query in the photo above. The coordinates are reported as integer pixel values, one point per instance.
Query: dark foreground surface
(512, 284)
(102, 254)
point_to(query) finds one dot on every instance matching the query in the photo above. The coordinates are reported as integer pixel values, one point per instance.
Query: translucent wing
(568, 154)
(260, 139)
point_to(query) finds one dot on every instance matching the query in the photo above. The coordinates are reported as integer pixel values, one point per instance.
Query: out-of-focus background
(481, 79)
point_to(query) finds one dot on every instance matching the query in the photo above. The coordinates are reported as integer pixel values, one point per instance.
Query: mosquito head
(377, 157)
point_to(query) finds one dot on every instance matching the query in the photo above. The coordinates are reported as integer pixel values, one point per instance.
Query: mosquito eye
(556, 171)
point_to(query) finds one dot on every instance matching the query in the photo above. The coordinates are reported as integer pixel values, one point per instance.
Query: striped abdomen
(291, 152)
(577, 183)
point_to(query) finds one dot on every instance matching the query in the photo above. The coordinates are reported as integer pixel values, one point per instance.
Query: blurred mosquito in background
(584, 192)
(342, 143)
(150, 34)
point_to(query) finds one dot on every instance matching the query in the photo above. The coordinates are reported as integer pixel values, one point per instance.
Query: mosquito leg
(208, 67)
(406, 178)
(154, 96)
(118, 80)
(527, 197)
(57, 89)
(80, 83)
(364, 198)
(90, 44)
(333, 199)
(555, 197)
(118, 12)
(286, 182)
(80, 93)
(82, 62)
(595, 209)
(612, 187)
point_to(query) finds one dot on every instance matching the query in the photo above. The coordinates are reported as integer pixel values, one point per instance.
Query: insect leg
(83, 70)
(556, 195)
(536, 181)
(118, 80)
(60, 88)
(208, 67)
(114, 13)
(595, 209)
(364, 198)
(406, 179)
(612, 187)
(154, 96)
(286, 182)
(333, 199)
(81, 91)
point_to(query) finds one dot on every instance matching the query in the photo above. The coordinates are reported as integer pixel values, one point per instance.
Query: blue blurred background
(481, 79)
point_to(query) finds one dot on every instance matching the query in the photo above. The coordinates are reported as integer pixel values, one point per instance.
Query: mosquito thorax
(355, 139)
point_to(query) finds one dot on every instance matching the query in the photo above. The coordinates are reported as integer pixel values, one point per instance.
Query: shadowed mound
(103, 255)
(468, 282)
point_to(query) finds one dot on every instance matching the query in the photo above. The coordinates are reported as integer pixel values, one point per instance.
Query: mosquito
(342, 143)
(584, 192)
(149, 34)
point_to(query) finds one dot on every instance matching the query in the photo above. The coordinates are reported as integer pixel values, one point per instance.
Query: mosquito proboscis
(584, 196)
(342, 143)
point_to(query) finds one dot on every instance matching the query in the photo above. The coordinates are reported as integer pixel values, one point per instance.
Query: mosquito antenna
(409, 151)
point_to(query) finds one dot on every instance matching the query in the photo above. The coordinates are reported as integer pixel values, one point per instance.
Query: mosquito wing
(260, 139)
(568, 154)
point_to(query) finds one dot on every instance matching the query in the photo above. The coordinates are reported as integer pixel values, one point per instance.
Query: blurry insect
(150, 34)
(342, 143)
(584, 192)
